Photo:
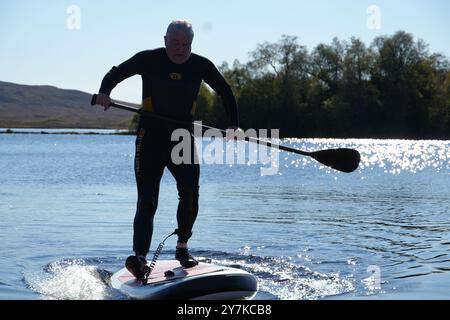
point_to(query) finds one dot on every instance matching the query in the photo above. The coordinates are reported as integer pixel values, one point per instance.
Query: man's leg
(187, 211)
(149, 167)
(187, 177)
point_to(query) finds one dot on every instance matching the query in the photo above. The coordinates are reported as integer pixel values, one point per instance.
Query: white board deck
(204, 281)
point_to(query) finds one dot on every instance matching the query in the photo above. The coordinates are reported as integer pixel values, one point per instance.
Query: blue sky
(38, 47)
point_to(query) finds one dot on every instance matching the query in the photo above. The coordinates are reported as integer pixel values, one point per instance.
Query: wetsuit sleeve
(217, 82)
(127, 69)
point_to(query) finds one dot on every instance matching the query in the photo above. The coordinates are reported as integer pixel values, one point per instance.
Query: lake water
(67, 204)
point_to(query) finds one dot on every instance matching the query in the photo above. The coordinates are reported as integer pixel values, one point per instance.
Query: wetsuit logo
(137, 159)
(175, 76)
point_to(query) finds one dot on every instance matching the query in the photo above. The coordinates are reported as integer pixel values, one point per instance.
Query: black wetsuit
(170, 90)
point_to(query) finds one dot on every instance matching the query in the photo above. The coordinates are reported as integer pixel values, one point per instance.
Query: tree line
(394, 88)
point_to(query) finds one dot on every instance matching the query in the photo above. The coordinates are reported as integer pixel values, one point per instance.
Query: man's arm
(217, 82)
(117, 74)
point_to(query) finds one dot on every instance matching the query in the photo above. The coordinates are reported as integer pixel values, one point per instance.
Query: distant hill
(25, 106)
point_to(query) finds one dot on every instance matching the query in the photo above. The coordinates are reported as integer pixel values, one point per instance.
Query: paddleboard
(205, 281)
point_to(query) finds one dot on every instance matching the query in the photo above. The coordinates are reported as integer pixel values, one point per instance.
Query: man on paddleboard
(171, 79)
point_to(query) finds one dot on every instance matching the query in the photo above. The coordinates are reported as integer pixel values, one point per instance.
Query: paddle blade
(342, 159)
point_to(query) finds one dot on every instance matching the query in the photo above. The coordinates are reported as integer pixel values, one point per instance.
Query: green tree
(396, 75)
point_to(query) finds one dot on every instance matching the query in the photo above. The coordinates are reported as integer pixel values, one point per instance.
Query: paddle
(341, 159)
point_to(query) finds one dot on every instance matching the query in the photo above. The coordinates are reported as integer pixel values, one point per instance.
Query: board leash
(156, 256)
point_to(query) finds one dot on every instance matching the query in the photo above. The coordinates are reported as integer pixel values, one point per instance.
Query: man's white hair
(182, 25)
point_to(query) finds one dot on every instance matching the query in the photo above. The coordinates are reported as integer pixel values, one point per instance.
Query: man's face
(178, 46)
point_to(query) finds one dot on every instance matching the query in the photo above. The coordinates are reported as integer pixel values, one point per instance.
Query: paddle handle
(115, 105)
(93, 99)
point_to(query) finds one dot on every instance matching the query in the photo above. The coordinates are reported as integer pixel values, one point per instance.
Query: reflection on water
(393, 156)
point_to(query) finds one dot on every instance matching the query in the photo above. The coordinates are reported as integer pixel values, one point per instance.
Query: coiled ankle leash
(156, 256)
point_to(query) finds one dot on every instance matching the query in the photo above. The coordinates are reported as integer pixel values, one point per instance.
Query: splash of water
(285, 280)
(69, 280)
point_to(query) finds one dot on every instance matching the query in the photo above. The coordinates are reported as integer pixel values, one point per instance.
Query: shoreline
(71, 131)
(103, 131)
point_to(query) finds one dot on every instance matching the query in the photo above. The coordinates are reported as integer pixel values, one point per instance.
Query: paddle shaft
(341, 159)
(185, 123)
